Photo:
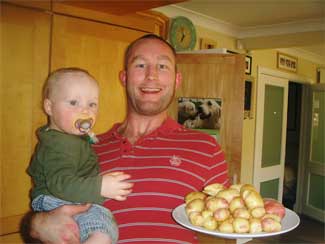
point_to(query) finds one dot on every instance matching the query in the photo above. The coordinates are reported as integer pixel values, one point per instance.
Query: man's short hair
(147, 36)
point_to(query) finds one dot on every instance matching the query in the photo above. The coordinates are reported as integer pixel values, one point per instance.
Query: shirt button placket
(126, 147)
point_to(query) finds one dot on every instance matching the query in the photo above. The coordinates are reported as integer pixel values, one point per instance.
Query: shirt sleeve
(71, 172)
(218, 172)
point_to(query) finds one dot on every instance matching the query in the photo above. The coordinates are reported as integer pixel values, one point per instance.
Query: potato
(206, 213)
(214, 203)
(240, 225)
(226, 226)
(274, 207)
(221, 214)
(228, 194)
(235, 203)
(241, 213)
(236, 187)
(196, 218)
(257, 212)
(272, 216)
(255, 226)
(246, 187)
(194, 195)
(252, 199)
(196, 205)
(213, 189)
(210, 223)
(270, 225)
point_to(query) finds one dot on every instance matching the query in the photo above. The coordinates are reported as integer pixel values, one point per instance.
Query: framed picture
(287, 62)
(248, 99)
(202, 114)
(248, 62)
(248, 65)
(207, 43)
(199, 113)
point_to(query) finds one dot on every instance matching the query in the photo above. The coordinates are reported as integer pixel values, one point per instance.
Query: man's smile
(150, 90)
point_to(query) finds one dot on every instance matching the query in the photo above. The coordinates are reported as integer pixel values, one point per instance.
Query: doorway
(292, 145)
(307, 176)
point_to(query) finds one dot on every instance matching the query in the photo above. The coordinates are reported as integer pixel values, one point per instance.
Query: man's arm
(58, 225)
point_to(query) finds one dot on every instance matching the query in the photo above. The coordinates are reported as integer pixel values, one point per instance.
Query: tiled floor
(308, 231)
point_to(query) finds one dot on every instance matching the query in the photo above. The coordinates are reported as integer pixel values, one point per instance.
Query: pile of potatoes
(237, 209)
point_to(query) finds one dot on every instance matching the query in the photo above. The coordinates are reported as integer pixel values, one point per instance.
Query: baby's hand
(115, 186)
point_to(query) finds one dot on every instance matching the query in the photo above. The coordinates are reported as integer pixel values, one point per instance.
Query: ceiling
(298, 24)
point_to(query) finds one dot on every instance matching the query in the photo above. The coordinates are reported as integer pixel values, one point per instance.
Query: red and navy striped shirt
(164, 165)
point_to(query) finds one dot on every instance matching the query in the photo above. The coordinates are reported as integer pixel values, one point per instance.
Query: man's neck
(135, 126)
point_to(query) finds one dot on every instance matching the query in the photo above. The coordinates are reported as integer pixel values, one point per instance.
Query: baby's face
(73, 104)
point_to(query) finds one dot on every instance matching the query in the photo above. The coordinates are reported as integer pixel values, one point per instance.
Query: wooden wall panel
(217, 76)
(25, 60)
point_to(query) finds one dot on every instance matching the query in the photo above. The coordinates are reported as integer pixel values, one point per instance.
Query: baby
(64, 167)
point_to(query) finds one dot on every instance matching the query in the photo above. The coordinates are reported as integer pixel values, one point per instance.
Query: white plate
(289, 222)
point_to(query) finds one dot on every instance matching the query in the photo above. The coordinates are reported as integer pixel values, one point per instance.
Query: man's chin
(150, 109)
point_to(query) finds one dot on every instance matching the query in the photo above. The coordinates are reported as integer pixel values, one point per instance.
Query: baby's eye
(73, 102)
(93, 105)
(140, 65)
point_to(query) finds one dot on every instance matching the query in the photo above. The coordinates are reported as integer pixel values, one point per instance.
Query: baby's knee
(98, 237)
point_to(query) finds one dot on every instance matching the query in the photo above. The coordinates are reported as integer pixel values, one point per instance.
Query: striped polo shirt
(164, 166)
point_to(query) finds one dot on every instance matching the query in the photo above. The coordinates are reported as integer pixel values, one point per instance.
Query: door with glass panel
(313, 162)
(270, 137)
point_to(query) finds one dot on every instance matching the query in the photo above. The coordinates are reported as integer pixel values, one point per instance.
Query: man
(165, 160)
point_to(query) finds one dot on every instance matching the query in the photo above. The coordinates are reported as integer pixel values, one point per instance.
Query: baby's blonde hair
(58, 75)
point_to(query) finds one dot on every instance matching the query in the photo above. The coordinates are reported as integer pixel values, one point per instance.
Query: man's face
(150, 78)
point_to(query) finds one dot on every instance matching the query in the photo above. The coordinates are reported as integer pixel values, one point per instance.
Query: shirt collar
(169, 125)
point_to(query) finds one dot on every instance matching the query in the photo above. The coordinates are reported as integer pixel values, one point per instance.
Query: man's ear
(47, 106)
(122, 76)
(178, 79)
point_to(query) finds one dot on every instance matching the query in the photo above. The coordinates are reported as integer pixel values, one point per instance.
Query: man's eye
(73, 102)
(163, 66)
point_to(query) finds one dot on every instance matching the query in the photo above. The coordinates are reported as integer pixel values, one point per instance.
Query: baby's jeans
(96, 219)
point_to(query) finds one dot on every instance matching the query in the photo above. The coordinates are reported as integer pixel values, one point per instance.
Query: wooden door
(99, 48)
(25, 48)
(270, 137)
(217, 76)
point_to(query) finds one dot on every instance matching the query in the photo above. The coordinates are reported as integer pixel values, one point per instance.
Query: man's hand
(58, 225)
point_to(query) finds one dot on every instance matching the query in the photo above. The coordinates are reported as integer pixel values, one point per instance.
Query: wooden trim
(44, 4)
(161, 22)
(147, 20)
(137, 21)
(120, 8)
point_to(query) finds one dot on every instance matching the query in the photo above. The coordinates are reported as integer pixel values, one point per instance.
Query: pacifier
(84, 125)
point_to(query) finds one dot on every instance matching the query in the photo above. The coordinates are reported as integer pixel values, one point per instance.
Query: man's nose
(152, 72)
